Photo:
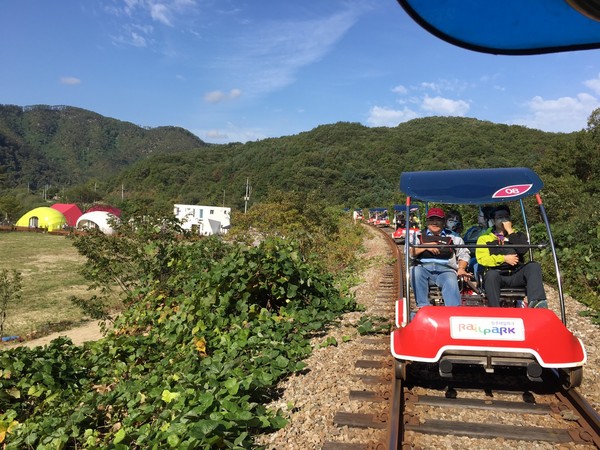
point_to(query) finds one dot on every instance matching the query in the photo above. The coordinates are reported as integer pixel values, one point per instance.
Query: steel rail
(589, 419)
(385, 390)
(395, 423)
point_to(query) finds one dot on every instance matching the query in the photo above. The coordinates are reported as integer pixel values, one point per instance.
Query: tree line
(345, 165)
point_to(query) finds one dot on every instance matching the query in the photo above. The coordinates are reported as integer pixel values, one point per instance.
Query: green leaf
(168, 396)
(207, 426)
(232, 386)
(173, 440)
(278, 422)
(16, 393)
(119, 436)
(281, 362)
(240, 439)
(291, 290)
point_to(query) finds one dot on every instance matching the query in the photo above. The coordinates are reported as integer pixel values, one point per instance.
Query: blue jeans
(439, 274)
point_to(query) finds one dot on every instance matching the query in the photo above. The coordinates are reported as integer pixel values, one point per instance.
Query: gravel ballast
(311, 399)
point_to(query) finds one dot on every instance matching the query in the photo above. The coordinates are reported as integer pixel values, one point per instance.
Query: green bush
(208, 331)
(578, 251)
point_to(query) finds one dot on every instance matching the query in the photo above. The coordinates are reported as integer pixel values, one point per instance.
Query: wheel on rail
(400, 370)
(573, 378)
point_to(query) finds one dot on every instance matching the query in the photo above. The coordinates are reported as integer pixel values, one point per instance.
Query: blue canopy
(474, 186)
(510, 27)
(413, 208)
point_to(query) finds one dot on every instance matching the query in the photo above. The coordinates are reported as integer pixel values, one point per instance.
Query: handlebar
(534, 246)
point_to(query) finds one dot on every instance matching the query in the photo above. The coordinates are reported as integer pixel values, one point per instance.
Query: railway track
(471, 409)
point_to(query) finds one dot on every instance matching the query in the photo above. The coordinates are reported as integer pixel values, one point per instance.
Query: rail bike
(379, 217)
(474, 333)
(399, 234)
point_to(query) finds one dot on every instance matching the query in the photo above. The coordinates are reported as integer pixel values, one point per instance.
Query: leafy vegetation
(44, 145)
(342, 165)
(210, 327)
(322, 231)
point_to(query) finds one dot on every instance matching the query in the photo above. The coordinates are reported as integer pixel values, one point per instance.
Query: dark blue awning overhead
(403, 208)
(474, 186)
(510, 27)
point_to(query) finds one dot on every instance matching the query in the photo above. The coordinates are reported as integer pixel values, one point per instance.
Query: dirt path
(88, 332)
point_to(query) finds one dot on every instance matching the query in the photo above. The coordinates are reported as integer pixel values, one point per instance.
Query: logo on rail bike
(512, 191)
(484, 328)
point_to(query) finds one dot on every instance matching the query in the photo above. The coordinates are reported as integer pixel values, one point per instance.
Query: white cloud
(443, 85)
(431, 86)
(135, 35)
(564, 114)
(131, 4)
(593, 84)
(423, 105)
(70, 80)
(137, 31)
(161, 13)
(387, 117)
(269, 56)
(230, 134)
(214, 96)
(445, 106)
(137, 40)
(214, 135)
(220, 96)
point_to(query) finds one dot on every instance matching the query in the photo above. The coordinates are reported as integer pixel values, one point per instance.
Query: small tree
(10, 291)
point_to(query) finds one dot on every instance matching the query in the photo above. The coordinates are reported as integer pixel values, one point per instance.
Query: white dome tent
(97, 219)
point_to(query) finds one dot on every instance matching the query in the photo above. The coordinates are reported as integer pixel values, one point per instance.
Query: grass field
(49, 266)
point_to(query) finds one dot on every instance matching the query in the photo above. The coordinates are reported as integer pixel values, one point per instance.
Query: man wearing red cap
(435, 265)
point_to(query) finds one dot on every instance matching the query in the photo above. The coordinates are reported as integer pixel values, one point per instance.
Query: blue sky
(245, 70)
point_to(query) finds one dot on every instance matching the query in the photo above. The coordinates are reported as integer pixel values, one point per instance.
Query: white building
(206, 220)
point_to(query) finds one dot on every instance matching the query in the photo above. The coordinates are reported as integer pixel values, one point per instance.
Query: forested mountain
(346, 164)
(63, 145)
(349, 165)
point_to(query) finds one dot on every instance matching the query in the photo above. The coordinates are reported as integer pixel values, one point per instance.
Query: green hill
(344, 163)
(65, 145)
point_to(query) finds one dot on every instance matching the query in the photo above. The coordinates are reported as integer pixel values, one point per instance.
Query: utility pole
(122, 192)
(247, 196)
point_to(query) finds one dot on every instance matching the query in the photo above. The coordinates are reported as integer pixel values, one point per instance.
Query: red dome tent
(70, 210)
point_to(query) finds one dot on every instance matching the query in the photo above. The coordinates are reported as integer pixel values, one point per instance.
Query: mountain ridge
(43, 144)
